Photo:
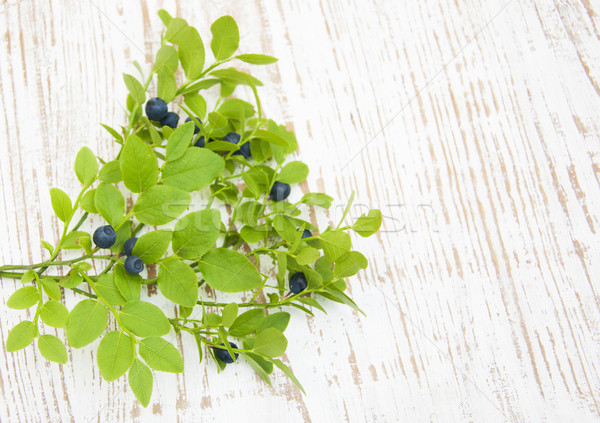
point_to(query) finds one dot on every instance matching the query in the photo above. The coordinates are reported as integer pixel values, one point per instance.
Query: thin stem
(53, 263)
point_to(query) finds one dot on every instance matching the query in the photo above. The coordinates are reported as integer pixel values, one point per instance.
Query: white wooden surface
(472, 125)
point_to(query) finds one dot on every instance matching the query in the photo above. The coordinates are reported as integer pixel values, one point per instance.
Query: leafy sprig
(160, 168)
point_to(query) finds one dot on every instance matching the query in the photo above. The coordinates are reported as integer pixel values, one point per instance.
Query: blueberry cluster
(133, 264)
(105, 237)
(156, 109)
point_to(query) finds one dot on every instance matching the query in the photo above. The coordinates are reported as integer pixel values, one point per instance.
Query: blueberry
(156, 108)
(170, 120)
(196, 127)
(224, 355)
(298, 283)
(232, 137)
(235, 138)
(134, 265)
(128, 246)
(306, 234)
(280, 191)
(200, 142)
(105, 236)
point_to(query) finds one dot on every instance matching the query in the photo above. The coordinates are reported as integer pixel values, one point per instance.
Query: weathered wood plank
(482, 152)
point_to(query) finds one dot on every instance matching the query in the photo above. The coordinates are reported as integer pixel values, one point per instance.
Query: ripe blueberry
(134, 265)
(200, 142)
(196, 127)
(128, 246)
(234, 138)
(298, 283)
(156, 108)
(306, 234)
(105, 236)
(170, 120)
(280, 191)
(224, 355)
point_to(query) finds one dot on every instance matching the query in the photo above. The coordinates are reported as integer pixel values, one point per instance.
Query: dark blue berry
(105, 236)
(306, 234)
(224, 355)
(128, 246)
(156, 108)
(298, 283)
(134, 265)
(235, 138)
(171, 119)
(200, 142)
(280, 191)
(196, 127)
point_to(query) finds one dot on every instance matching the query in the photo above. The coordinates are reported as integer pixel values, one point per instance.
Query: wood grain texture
(472, 126)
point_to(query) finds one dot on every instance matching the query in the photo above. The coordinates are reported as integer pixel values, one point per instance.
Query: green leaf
(140, 381)
(347, 209)
(135, 88)
(286, 227)
(123, 234)
(335, 243)
(28, 276)
(167, 56)
(191, 53)
(166, 85)
(179, 141)
(247, 322)
(339, 297)
(349, 264)
(234, 76)
(325, 268)
(51, 288)
(225, 37)
(23, 298)
(86, 166)
(196, 104)
(110, 203)
(277, 320)
(281, 269)
(70, 241)
(285, 369)
(114, 133)
(252, 360)
(234, 108)
(20, 336)
(293, 172)
(256, 59)
(144, 319)
(270, 342)
(87, 201)
(86, 322)
(139, 165)
(72, 280)
(307, 255)
(106, 288)
(195, 170)
(161, 355)
(152, 246)
(161, 204)
(128, 285)
(111, 172)
(52, 349)
(253, 235)
(229, 271)
(178, 282)
(230, 312)
(47, 246)
(271, 138)
(165, 17)
(311, 302)
(54, 314)
(317, 199)
(116, 353)
(217, 120)
(368, 224)
(61, 204)
(196, 233)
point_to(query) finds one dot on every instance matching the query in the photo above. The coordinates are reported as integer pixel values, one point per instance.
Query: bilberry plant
(260, 245)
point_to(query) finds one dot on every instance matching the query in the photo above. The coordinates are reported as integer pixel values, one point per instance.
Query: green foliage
(206, 247)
